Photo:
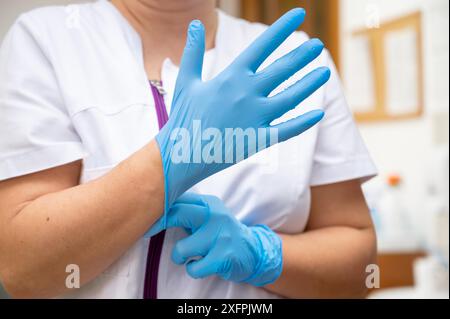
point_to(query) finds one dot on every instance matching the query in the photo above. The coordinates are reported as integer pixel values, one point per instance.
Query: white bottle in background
(436, 205)
(397, 233)
(430, 278)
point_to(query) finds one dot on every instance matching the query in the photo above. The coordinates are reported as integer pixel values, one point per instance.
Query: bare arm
(330, 258)
(48, 221)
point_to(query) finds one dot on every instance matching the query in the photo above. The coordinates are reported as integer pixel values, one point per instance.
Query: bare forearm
(325, 263)
(89, 225)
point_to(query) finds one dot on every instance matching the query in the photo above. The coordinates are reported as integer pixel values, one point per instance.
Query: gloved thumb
(188, 216)
(192, 60)
(155, 229)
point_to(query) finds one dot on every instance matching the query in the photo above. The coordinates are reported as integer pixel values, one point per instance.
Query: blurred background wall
(396, 80)
(413, 149)
(393, 58)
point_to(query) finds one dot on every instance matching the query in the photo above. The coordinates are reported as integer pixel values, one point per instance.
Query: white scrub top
(73, 86)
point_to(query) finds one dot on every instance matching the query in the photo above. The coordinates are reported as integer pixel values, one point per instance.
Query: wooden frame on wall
(376, 38)
(322, 19)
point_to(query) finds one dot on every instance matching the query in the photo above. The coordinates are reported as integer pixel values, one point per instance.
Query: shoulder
(28, 34)
(48, 24)
(64, 15)
(68, 34)
(52, 17)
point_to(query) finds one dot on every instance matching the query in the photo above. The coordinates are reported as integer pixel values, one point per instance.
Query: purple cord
(157, 241)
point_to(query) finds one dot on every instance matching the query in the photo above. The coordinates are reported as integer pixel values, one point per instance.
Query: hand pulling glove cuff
(270, 264)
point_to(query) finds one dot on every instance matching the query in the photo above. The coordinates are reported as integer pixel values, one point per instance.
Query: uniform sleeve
(36, 132)
(340, 152)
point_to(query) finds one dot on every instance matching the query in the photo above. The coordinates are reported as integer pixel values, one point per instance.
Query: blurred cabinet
(322, 19)
(396, 269)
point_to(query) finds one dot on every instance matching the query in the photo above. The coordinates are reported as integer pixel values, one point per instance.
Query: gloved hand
(228, 248)
(238, 99)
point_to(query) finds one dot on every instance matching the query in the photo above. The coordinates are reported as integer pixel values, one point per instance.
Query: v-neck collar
(135, 40)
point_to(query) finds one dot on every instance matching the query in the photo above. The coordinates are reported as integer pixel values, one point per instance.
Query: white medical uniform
(73, 86)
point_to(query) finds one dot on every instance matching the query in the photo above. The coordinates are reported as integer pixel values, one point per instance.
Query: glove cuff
(271, 258)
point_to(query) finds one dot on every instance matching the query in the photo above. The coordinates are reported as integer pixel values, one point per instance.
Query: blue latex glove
(236, 98)
(229, 249)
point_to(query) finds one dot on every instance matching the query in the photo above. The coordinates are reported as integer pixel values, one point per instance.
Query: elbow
(16, 287)
(13, 288)
(24, 277)
(367, 275)
(23, 285)
(361, 273)
(359, 290)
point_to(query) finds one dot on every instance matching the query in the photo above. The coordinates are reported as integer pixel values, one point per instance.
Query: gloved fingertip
(325, 72)
(195, 27)
(294, 17)
(315, 116)
(191, 270)
(299, 12)
(318, 113)
(195, 34)
(177, 258)
(316, 45)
